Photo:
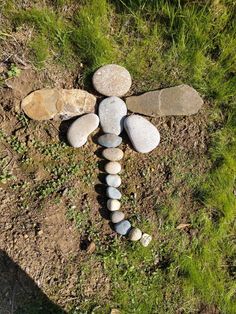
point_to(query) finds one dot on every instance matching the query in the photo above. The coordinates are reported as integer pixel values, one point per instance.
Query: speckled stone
(109, 140)
(113, 180)
(45, 104)
(146, 239)
(113, 167)
(113, 193)
(135, 234)
(113, 154)
(111, 112)
(117, 216)
(81, 128)
(122, 227)
(112, 80)
(142, 133)
(113, 205)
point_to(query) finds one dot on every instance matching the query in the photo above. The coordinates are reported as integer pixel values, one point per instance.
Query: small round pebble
(122, 227)
(113, 205)
(113, 180)
(112, 80)
(113, 193)
(111, 112)
(117, 216)
(113, 167)
(113, 154)
(146, 239)
(135, 234)
(109, 140)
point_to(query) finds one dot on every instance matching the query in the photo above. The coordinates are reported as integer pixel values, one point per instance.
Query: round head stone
(112, 80)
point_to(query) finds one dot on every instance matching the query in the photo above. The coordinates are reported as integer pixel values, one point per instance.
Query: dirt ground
(50, 214)
(40, 235)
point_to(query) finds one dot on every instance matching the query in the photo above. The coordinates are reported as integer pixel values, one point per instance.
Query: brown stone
(76, 102)
(91, 248)
(178, 100)
(45, 104)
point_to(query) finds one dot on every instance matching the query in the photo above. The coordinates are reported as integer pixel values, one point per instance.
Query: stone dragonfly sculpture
(113, 81)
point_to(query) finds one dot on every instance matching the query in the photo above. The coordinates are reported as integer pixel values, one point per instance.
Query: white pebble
(113, 205)
(146, 239)
(113, 167)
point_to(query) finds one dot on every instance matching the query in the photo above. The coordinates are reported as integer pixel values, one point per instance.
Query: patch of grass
(14, 71)
(40, 50)
(208, 256)
(52, 34)
(59, 176)
(162, 43)
(92, 34)
(86, 36)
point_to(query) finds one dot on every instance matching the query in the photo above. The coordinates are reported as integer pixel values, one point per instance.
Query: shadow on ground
(19, 294)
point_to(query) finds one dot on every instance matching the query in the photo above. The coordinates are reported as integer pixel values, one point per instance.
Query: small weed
(13, 72)
(59, 176)
(6, 176)
(80, 218)
(23, 119)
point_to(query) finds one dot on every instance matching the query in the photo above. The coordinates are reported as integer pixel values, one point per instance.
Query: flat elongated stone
(117, 216)
(122, 227)
(76, 102)
(45, 104)
(178, 100)
(112, 80)
(42, 104)
(112, 111)
(113, 167)
(113, 205)
(142, 133)
(113, 193)
(113, 154)
(81, 128)
(113, 180)
(109, 140)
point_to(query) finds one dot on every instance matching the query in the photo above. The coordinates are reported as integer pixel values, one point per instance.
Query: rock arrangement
(113, 81)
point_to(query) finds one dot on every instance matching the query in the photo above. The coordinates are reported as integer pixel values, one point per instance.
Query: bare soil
(47, 237)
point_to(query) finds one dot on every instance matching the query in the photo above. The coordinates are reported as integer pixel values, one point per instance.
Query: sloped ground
(52, 208)
(47, 220)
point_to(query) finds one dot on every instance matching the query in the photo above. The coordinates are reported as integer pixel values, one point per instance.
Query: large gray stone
(81, 128)
(112, 80)
(112, 111)
(178, 100)
(45, 104)
(142, 133)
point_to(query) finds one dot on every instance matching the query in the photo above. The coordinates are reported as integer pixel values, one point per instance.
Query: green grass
(162, 43)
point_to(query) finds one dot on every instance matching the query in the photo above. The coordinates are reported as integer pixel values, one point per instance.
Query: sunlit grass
(162, 43)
